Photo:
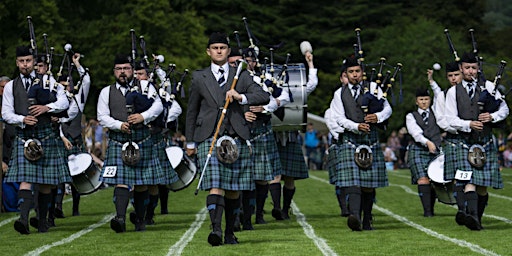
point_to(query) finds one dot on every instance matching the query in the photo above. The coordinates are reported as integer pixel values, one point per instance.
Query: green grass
(317, 202)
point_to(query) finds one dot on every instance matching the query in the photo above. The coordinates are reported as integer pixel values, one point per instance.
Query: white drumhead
(436, 169)
(175, 155)
(79, 163)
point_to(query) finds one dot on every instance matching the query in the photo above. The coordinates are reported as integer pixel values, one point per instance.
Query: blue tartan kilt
(418, 161)
(146, 172)
(265, 157)
(51, 169)
(450, 149)
(292, 160)
(160, 144)
(236, 176)
(332, 161)
(489, 175)
(348, 173)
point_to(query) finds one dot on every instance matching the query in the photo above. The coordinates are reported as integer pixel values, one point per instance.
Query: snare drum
(295, 113)
(184, 167)
(84, 172)
(443, 188)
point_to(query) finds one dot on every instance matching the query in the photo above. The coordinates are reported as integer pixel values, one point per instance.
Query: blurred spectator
(405, 141)
(501, 145)
(507, 156)
(312, 142)
(389, 157)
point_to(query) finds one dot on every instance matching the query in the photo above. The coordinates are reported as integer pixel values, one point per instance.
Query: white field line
(461, 243)
(179, 246)
(74, 236)
(310, 232)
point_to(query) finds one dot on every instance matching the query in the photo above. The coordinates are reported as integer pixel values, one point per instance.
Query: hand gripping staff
(224, 110)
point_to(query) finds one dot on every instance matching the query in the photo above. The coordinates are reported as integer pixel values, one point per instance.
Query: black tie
(27, 82)
(221, 78)
(471, 90)
(424, 115)
(356, 92)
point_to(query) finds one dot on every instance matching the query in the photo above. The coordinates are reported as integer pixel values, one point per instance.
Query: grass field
(315, 228)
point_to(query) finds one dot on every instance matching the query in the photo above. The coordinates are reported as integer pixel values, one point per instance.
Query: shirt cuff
(244, 100)
(191, 145)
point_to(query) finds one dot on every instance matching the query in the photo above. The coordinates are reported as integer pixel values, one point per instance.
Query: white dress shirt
(333, 127)
(414, 129)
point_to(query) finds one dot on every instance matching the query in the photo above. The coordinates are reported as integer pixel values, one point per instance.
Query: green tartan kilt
(236, 176)
(265, 158)
(450, 156)
(489, 175)
(418, 160)
(348, 173)
(146, 172)
(292, 160)
(332, 161)
(51, 169)
(160, 144)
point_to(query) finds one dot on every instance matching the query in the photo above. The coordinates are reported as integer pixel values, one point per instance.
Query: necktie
(27, 82)
(424, 115)
(221, 78)
(471, 90)
(356, 91)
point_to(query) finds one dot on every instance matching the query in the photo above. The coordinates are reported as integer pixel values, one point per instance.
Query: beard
(123, 79)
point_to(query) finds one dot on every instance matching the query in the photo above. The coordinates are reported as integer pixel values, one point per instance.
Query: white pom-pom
(68, 47)
(256, 50)
(160, 58)
(436, 66)
(305, 46)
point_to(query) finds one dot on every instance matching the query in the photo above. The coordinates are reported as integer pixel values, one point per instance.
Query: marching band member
(222, 178)
(359, 130)
(290, 154)
(474, 131)
(29, 165)
(129, 159)
(422, 126)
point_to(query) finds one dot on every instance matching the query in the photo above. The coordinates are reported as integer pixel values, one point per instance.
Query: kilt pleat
(146, 172)
(348, 173)
(418, 161)
(292, 160)
(332, 161)
(50, 169)
(265, 163)
(236, 176)
(160, 144)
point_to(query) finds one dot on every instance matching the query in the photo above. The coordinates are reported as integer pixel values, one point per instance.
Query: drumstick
(224, 110)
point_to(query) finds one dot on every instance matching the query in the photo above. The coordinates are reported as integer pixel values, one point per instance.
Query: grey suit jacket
(207, 98)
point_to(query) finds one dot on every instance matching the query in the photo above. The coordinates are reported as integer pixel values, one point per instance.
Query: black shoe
(428, 214)
(51, 223)
(21, 226)
(285, 215)
(133, 218)
(248, 225)
(230, 239)
(149, 221)
(472, 223)
(345, 214)
(460, 218)
(140, 225)
(43, 227)
(118, 224)
(368, 223)
(58, 213)
(164, 211)
(237, 225)
(260, 220)
(354, 223)
(34, 222)
(215, 238)
(277, 214)
(76, 213)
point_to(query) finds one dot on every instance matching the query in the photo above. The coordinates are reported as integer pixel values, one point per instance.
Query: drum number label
(110, 171)
(463, 175)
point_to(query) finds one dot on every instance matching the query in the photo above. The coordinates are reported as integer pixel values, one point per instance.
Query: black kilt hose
(51, 169)
(236, 176)
(146, 172)
(292, 159)
(160, 145)
(348, 173)
(489, 175)
(265, 157)
(418, 161)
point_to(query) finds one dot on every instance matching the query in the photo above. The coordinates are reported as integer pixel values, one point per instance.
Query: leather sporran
(477, 156)
(130, 153)
(227, 150)
(32, 150)
(363, 156)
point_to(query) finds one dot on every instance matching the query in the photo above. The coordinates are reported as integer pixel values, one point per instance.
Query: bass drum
(85, 174)
(295, 113)
(184, 167)
(444, 188)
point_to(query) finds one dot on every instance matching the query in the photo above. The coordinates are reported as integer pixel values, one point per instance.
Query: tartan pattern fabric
(265, 158)
(489, 175)
(418, 160)
(332, 162)
(52, 168)
(292, 160)
(348, 173)
(450, 156)
(160, 144)
(146, 172)
(236, 176)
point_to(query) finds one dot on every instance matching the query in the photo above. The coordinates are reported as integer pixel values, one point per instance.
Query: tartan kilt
(265, 158)
(348, 173)
(146, 172)
(332, 161)
(236, 176)
(489, 175)
(51, 169)
(450, 148)
(292, 160)
(160, 144)
(418, 161)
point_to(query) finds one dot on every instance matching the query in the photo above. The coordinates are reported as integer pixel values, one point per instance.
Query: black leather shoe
(149, 221)
(34, 222)
(76, 213)
(354, 223)
(472, 223)
(277, 214)
(51, 223)
(260, 220)
(118, 224)
(215, 238)
(133, 218)
(248, 225)
(230, 239)
(140, 225)
(21, 226)
(58, 213)
(460, 218)
(285, 215)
